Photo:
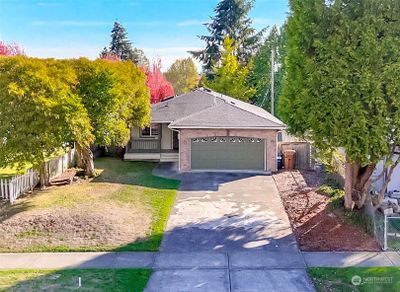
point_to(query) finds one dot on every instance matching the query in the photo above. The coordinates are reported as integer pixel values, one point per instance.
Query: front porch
(157, 143)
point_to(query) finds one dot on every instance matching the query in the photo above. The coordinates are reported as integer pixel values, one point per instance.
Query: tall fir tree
(231, 19)
(342, 85)
(261, 73)
(121, 47)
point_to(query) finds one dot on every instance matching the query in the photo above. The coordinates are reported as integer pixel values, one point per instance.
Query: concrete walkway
(198, 260)
(210, 271)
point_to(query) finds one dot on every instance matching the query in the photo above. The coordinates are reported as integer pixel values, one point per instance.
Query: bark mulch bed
(315, 226)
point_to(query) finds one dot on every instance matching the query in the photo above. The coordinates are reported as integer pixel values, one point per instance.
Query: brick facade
(187, 134)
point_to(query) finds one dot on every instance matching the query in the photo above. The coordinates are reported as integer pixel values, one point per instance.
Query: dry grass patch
(124, 208)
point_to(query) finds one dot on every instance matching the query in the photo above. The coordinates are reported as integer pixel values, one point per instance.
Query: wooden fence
(304, 153)
(11, 189)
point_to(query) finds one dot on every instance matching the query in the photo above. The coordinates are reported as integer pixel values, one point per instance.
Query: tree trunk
(44, 178)
(357, 183)
(85, 159)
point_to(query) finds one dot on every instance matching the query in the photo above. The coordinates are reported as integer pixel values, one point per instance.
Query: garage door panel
(229, 153)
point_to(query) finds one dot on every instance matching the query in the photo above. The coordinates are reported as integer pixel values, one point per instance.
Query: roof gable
(203, 108)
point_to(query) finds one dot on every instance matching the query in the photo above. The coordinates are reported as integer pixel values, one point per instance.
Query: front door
(175, 140)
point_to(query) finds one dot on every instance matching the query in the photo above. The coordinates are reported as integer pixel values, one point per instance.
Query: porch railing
(144, 146)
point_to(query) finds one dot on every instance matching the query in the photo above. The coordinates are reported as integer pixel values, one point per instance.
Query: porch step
(169, 157)
(142, 156)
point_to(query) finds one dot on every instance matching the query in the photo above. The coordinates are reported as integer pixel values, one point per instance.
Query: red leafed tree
(160, 88)
(111, 57)
(10, 49)
(107, 55)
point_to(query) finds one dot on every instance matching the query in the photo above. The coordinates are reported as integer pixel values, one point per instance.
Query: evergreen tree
(231, 78)
(231, 19)
(120, 46)
(342, 87)
(261, 73)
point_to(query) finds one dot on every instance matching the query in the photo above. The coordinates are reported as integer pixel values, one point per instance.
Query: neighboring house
(394, 184)
(205, 130)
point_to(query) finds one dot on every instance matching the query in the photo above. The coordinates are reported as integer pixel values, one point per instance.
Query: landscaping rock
(386, 210)
(391, 201)
(395, 195)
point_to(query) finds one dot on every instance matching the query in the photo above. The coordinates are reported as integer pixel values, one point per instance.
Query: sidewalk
(188, 260)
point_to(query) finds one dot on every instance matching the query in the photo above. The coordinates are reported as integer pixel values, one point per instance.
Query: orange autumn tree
(160, 88)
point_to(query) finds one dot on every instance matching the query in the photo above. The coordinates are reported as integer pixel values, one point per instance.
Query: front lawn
(356, 279)
(66, 280)
(124, 208)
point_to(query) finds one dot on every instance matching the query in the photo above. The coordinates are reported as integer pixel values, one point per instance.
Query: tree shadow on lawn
(132, 173)
(7, 210)
(218, 236)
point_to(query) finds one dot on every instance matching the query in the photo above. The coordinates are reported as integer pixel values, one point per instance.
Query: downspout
(179, 148)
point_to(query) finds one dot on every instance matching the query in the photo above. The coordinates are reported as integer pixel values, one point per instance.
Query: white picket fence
(11, 189)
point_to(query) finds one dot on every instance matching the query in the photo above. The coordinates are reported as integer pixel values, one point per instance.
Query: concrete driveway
(228, 232)
(228, 212)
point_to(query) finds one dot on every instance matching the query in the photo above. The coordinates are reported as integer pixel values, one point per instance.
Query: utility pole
(273, 81)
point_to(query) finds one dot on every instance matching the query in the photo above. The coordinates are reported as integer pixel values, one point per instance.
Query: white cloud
(92, 23)
(192, 22)
(263, 21)
(49, 4)
(71, 23)
(168, 50)
(169, 54)
(63, 52)
(144, 23)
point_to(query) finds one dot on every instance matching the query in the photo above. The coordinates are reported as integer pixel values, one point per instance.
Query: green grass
(340, 279)
(66, 280)
(159, 193)
(120, 185)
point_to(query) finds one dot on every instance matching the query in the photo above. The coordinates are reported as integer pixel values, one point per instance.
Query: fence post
(10, 192)
(385, 233)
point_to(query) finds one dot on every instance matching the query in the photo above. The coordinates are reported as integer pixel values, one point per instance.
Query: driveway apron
(228, 232)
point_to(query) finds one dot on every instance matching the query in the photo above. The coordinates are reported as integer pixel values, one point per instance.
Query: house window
(150, 132)
(280, 136)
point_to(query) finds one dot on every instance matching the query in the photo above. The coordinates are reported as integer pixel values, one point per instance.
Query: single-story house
(206, 130)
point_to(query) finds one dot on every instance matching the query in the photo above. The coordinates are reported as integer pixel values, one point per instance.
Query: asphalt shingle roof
(203, 108)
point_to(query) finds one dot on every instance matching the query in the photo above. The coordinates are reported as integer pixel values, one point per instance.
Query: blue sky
(74, 28)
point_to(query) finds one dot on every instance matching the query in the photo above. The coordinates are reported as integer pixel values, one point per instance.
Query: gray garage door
(231, 153)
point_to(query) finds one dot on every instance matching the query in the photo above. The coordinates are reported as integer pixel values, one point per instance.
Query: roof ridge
(224, 97)
(254, 114)
(170, 99)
